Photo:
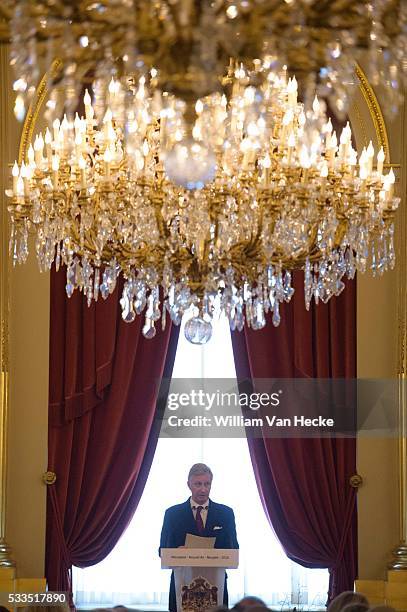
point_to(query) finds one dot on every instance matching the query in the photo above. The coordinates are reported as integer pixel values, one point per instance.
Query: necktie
(198, 519)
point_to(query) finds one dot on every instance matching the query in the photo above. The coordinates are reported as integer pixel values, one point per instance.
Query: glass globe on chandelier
(206, 203)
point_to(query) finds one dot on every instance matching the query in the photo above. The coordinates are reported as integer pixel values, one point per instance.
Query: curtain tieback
(49, 478)
(356, 481)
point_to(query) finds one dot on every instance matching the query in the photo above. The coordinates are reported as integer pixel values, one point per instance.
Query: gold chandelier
(195, 172)
(205, 204)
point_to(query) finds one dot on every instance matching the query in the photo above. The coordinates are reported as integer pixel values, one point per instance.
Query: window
(131, 574)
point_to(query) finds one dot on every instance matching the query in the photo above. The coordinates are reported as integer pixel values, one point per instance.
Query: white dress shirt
(204, 512)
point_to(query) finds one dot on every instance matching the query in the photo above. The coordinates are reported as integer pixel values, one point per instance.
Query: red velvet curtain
(304, 482)
(104, 382)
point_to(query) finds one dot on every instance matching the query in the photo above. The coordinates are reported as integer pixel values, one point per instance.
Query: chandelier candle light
(207, 203)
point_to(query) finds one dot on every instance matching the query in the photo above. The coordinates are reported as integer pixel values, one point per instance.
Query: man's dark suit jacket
(179, 520)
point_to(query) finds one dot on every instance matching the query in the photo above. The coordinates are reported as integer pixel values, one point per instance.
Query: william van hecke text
(241, 421)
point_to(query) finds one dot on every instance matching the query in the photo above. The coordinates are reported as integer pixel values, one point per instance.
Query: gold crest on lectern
(199, 596)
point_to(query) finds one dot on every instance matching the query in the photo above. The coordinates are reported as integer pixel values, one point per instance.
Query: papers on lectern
(193, 541)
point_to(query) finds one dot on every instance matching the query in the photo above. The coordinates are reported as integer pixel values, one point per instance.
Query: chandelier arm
(157, 203)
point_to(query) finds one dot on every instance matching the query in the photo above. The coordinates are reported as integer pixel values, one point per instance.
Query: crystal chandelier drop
(205, 204)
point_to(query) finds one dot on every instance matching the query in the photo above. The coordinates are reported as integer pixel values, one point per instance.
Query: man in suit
(199, 516)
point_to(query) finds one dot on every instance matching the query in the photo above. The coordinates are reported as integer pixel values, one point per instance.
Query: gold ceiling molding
(375, 112)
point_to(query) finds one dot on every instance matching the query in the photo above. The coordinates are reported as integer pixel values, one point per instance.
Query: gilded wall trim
(5, 152)
(4, 360)
(4, 289)
(400, 553)
(34, 110)
(375, 112)
(361, 123)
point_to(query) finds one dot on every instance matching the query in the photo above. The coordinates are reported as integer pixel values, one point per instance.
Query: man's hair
(199, 468)
(344, 599)
(250, 601)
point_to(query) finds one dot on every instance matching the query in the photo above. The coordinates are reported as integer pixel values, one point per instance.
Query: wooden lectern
(199, 575)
